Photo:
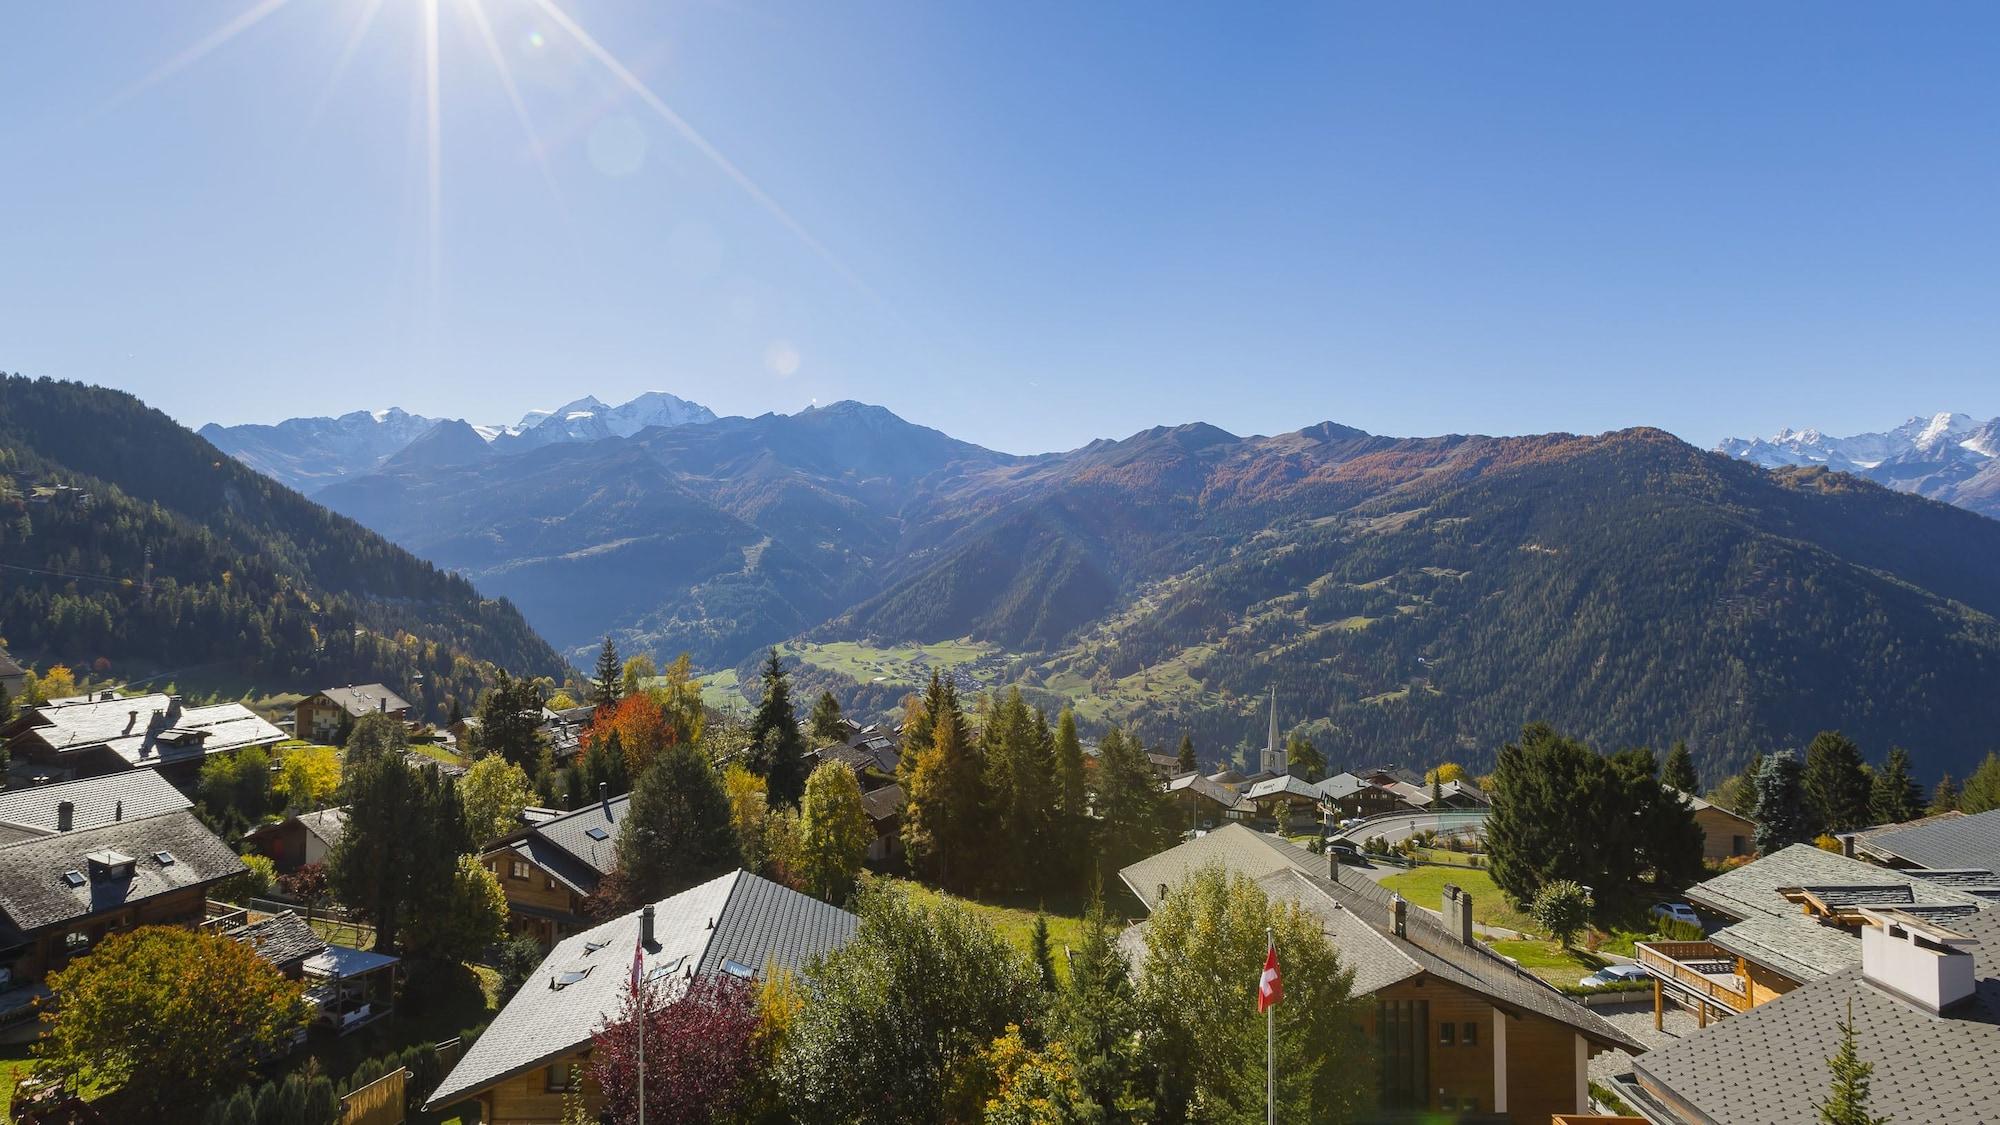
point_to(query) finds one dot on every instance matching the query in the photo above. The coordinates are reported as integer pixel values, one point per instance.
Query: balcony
(1696, 971)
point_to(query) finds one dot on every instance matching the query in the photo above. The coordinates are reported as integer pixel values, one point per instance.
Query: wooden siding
(526, 1099)
(45, 952)
(539, 890)
(1724, 834)
(1540, 1060)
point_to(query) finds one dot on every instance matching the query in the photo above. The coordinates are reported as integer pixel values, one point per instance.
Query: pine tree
(825, 721)
(1097, 1017)
(1020, 782)
(1040, 955)
(1847, 1102)
(777, 746)
(1185, 761)
(1944, 798)
(1781, 814)
(1836, 784)
(607, 684)
(1982, 787)
(1895, 797)
(676, 831)
(1304, 758)
(1071, 798)
(1134, 814)
(944, 830)
(1679, 770)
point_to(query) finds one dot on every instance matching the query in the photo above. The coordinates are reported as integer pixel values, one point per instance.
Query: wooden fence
(378, 1103)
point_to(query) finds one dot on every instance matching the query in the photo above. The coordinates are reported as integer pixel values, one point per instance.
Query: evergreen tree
(607, 684)
(1072, 799)
(1896, 796)
(1185, 761)
(1304, 758)
(676, 831)
(944, 828)
(399, 853)
(917, 725)
(1679, 770)
(1134, 817)
(1836, 784)
(1982, 787)
(1041, 958)
(825, 721)
(1020, 782)
(1781, 816)
(1098, 1018)
(510, 723)
(777, 747)
(1944, 798)
(1847, 1101)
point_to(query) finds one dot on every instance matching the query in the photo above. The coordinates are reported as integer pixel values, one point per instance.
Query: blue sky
(1027, 224)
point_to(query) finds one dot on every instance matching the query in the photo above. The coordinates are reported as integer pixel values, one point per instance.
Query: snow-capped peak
(1940, 455)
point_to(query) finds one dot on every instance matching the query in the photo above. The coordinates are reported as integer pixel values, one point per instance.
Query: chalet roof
(1207, 787)
(9, 668)
(147, 730)
(1168, 762)
(365, 699)
(34, 893)
(329, 825)
(1770, 928)
(1284, 784)
(1701, 804)
(578, 847)
(885, 803)
(1237, 847)
(1769, 1063)
(1954, 843)
(281, 938)
(738, 918)
(133, 794)
(1341, 785)
(1426, 946)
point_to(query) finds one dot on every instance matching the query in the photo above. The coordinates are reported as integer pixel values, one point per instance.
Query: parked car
(1677, 912)
(1613, 974)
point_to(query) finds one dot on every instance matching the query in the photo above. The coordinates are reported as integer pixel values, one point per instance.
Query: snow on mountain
(1947, 456)
(310, 453)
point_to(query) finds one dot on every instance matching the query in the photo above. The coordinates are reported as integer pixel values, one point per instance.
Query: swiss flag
(1270, 990)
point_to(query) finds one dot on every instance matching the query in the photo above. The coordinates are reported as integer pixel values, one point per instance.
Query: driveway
(1401, 826)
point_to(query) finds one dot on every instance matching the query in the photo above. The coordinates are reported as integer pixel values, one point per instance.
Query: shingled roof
(1769, 1064)
(132, 795)
(1948, 843)
(35, 893)
(1241, 849)
(283, 938)
(578, 847)
(146, 730)
(738, 919)
(365, 699)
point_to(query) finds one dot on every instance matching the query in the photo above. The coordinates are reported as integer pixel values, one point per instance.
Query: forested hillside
(252, 584)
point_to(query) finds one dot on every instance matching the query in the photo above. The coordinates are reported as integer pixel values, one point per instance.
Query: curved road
(1397, 827)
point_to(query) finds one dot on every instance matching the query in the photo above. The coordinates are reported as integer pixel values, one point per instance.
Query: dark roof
(281, 938)
(34, 894)
(365, 699)
(8, 667)
(738, 918)
(136, 794)
(885, 803)
(1769, 1064)
(1954, 843)
(572, 833)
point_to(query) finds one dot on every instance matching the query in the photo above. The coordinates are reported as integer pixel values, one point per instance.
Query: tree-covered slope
(251, 582)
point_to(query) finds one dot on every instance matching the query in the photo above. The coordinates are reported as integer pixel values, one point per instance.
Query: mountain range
(1409, 598)
(310, 453)
(1950, 457)
(130, 547)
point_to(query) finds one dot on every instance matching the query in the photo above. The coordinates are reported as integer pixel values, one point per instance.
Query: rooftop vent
(65, 815)
(1916, 959)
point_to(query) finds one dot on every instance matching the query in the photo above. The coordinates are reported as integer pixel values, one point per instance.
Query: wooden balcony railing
(1694, 966)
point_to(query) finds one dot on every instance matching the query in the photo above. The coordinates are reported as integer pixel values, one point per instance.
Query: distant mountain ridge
(1409, 597)
(311, 453)
(1948, 456)
(252, 586)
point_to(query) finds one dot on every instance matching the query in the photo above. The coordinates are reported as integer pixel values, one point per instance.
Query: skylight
(590, 947)
(666, 970)
(738, 969)
(73, 877)
(563, 978)
(166, 859)
(597, 834)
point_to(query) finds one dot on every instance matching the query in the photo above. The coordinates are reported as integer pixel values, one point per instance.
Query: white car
(1678, 912)
(1613, 974)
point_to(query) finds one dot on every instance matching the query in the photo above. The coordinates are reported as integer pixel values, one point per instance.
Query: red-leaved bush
(699, 1052)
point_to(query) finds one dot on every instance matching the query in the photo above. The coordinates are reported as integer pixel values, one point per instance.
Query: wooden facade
(52, 948)
(1442, 1049)
(1724, 834)
(539, 905)
(536, 1097)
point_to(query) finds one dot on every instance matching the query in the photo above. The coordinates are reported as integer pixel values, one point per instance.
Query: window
(1739, 845)
(1400, 1052)
(563, 1076)
(597, 834)
(1470, 1037)
(517, 870)
(75, 941)
(548, 882)
(164, 859)
(1447, 1034)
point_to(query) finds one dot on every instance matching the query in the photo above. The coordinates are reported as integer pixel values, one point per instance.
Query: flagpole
(1270, 1044)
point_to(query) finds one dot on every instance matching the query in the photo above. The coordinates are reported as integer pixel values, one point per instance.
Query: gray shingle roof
(146, 730)
(1773, 932)
(1285, 784)
(572, 833)
(1953, 843)
(1769, 1064)
(365, 699)
(281, 938)
(329, 825)
(736, 917)
(1341, 785)
(9, 667)
(1240, 849)
(884, 803)
(1209, 788)
(35, 896)
(97, 800)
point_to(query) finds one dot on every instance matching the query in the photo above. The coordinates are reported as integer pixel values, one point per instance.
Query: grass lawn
(1015, 924)
(1549, 961)
(1425, 887)
(1447, 857)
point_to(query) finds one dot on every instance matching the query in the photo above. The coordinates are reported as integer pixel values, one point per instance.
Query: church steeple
(1274, 752)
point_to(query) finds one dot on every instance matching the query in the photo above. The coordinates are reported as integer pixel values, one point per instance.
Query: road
(1398, 827)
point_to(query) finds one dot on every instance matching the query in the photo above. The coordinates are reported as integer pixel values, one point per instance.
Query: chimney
(1400, 908)
(1332, 863)
(131, 719)
(382, 706)
(604, 794)
(1163, 893)
(1847, 845)
(646, 925)
(1916, 960)
(65, 815)
(118, 810)
(1458, 913)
